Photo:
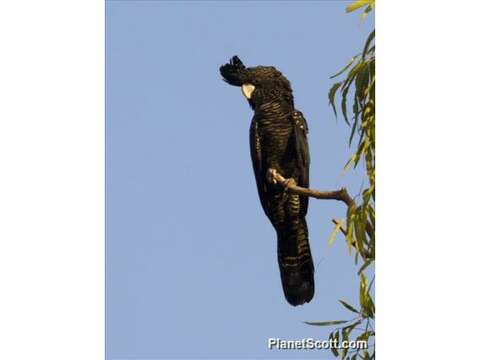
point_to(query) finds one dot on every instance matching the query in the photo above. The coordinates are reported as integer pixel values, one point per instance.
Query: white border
(52, 180)
(427, 172)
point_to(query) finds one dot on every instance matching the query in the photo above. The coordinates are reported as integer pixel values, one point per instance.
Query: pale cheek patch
(247, 90)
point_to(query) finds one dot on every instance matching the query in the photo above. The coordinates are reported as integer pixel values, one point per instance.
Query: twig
(290, 185)
(341, 195)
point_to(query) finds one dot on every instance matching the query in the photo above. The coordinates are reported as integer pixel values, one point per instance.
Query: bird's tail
(295, 261)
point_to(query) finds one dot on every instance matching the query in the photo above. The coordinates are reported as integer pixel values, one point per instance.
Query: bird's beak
(247, 90)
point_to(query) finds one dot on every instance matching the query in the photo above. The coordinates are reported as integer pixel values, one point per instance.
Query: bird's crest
(234, 72)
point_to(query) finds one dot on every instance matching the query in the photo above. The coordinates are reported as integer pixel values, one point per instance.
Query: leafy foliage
(358, 88)
(368, 4)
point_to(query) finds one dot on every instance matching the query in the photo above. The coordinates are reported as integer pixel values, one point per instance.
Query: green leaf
(334, 351)
(367, 11)
(326, 323)
(360, 234)
(335, 231)
(336, 336)
(352, 326)
(331, 96)
(345, 349)
(345, 68)
(366, 302)
(360, 150)
(350, 225)
(371, 215)
(367, 43)
(361, 83)
(348, 306)
(365, 335)
(349, 163)
(359, 4)
(364, 266)
(363, 290)
(344, 105)
(354, 127)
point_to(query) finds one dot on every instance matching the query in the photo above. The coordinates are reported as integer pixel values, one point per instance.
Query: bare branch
(290, 185)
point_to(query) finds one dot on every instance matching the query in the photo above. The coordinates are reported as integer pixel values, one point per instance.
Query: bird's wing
(303, 156)
(258, 167)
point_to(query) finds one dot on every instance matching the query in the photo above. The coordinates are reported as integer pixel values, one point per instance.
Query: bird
(279, 144)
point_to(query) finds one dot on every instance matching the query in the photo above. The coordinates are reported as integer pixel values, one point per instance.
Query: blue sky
(191, 258)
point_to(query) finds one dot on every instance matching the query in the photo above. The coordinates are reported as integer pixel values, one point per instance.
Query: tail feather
(295, 262)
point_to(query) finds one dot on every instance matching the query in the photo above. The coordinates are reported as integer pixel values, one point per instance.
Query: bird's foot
(271, 174)
(287, 185)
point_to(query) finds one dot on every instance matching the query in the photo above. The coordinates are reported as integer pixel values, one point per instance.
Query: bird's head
(259, 84)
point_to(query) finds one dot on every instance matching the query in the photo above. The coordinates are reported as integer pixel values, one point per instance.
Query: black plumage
(278, 141)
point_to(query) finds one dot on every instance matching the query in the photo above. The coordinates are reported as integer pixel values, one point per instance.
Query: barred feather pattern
(274, 145)
(278, 140)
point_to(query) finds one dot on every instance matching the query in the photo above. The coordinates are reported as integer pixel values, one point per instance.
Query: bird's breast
(275, 131)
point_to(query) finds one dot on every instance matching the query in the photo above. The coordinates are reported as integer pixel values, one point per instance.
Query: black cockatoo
(278, 142)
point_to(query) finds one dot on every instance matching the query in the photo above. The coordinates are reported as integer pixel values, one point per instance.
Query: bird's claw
(271, 176)
(289, 183)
